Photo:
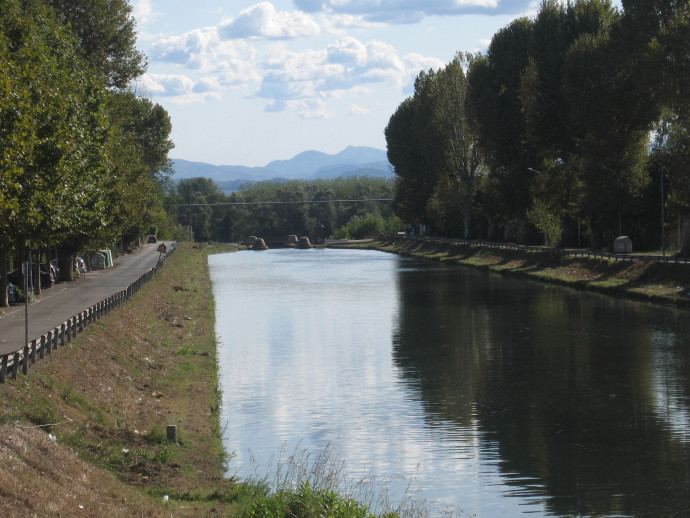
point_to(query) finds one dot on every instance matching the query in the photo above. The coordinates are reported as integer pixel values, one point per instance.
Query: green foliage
(41, 412)
(307, 503)
(547, 221)
(569, 93)
(105, 30)
(368, 226)
(293, 207)
(80, 161)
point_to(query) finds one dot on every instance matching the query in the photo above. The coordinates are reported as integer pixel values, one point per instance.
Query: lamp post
(661, 182)
(661, 189)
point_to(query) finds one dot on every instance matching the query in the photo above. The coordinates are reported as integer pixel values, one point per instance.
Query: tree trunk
(37, 273)
(66, 263)
(4, 302)
(685, 237)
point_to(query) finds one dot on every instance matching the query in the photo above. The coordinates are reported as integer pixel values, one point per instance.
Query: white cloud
(355, 109)
(410, 11)
(179, 88)
(340, 23)
(203, 50)
(347, 64)
(312, 109)
(143, 12)
(267, 67)
(264, 21)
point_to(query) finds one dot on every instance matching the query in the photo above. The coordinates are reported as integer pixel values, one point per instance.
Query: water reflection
(499, 396)
(586, 397)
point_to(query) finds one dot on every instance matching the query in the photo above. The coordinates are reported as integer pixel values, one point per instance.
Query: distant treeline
(295, 207)
(561, 133)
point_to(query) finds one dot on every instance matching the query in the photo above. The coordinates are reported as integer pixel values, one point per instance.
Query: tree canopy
(80, 155)
(560, 111)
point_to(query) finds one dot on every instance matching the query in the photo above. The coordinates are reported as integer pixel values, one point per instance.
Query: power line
(300, 202)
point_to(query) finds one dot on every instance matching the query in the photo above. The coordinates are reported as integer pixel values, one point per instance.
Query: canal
(453, 386)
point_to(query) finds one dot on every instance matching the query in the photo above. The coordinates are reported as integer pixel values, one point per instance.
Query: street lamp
(661, 181)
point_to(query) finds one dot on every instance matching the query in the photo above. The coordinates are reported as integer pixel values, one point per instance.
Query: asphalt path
(66, 299)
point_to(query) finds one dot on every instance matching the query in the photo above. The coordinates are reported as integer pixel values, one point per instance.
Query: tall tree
(106, 32)
(456, 157)
(495, 87)
(406, 153)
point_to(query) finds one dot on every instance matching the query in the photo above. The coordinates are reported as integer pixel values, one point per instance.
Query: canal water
(451, 386)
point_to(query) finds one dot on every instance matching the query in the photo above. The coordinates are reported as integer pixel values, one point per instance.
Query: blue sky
(248, 82)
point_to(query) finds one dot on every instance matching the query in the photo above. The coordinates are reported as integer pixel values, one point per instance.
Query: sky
(247, 82)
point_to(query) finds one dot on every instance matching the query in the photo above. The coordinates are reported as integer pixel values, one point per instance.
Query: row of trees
(295, 208)
(562, 131)
(82, 157)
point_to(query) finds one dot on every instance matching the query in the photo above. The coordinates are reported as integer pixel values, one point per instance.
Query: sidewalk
(66, 299)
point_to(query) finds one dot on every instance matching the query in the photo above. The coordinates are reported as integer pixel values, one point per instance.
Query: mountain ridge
(307, 165)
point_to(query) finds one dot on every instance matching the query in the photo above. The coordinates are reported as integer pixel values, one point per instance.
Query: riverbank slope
(85, 433)
(662, 283)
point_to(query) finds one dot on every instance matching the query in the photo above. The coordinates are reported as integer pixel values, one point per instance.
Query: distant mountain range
(309, 165)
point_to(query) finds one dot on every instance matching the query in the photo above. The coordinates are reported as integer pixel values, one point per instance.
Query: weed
(304, 485)
(156, 436)
(184, 351)
(41, 411)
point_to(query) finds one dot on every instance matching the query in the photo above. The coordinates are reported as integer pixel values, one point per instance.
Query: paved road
(66, 299)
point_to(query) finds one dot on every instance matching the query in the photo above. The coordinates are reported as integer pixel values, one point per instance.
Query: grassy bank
(654, 282)
(85, 433)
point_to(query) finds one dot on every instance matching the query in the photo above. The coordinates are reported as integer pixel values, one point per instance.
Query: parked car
(55, 268)
(47, 279)
(11, 293)
(80, 265)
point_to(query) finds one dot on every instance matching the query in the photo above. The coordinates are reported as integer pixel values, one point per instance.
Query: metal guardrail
(550, 250)
(65, 332)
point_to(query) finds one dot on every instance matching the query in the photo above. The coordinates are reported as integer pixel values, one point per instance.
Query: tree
(458, 157)
(611, 107)
(196, 192)
(59, 101)
(405, 153)
(496, 114)
(105, 30)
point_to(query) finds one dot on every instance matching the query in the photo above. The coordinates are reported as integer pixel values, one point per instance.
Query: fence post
(68, 330)
(33, 352)
(3, 368)
(15, 365)
(43, 347)
(63, 331)
(25, 360)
